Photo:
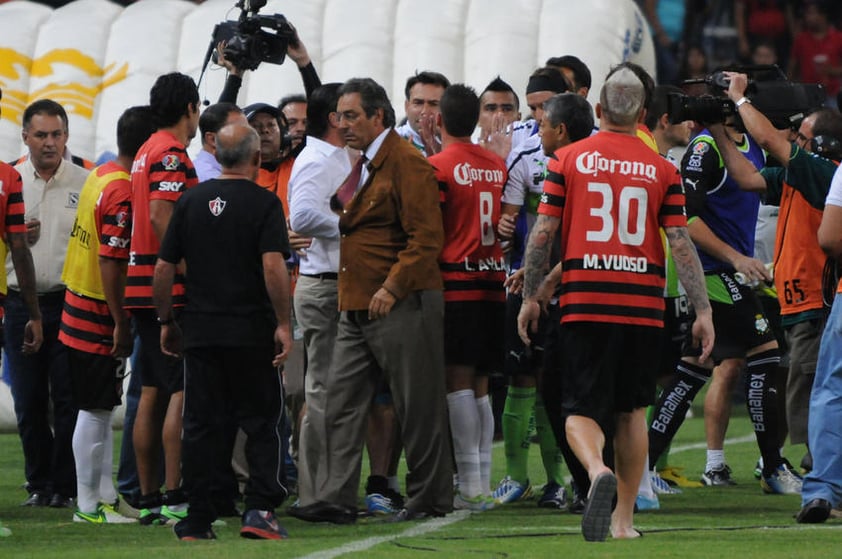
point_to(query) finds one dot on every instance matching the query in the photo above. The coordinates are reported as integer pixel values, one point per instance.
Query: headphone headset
(827, 146)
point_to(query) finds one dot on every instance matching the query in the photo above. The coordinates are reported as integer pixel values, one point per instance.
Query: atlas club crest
(216, 206)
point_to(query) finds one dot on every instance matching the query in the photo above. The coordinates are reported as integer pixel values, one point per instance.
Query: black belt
(323, 276)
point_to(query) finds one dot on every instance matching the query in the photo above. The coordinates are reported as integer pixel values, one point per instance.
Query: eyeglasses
(348, 116)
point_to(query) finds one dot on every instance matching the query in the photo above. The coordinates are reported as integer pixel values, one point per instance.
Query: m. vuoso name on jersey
(593, 163)
(464, 174)
(616, 262)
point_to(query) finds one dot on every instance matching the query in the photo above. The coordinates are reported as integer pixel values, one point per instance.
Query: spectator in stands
(817, 51)
(764, 21)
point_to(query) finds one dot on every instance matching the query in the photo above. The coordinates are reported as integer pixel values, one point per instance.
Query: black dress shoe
(59, 502)
(36, 499)
(406, 515)
(324, 512)
(814, 512)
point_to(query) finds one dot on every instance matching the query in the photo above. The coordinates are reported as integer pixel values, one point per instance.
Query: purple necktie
(349, 186)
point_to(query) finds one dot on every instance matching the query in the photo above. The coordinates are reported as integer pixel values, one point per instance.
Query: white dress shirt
(54, 203)
(317, 173)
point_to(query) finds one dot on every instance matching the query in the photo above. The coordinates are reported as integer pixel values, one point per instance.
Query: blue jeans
(824, 429)
(35, 380)
(127, 482)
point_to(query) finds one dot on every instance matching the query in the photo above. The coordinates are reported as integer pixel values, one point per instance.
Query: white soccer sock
(88, 448)
(645, 488)
(715, 459)
(486, 439)
(465, 430)
(107, 491)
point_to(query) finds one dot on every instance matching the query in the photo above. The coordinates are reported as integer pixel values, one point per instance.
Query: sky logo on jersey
(593, 163)
(170, 162)
(217, 206)
(170, 186)
(464, 174)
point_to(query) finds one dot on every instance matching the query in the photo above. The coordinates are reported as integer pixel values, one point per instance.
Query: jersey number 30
(631, 229)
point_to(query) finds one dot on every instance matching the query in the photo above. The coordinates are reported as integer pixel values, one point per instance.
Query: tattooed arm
(535, 265)
(692, 277)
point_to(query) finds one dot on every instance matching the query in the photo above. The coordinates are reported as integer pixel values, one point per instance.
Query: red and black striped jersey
(86, 324)
(471, 180)
(612, 193)
(162, 170)
(11, 209)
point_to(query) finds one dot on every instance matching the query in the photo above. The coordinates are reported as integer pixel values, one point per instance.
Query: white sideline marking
(435, 524)
(416, 530)
(700, 446)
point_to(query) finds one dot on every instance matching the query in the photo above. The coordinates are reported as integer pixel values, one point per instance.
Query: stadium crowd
(604, 260)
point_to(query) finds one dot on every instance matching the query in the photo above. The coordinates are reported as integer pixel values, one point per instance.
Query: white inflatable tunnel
(98, 58)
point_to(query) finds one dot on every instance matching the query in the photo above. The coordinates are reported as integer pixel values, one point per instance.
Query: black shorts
(473, 334)
(740, 325)
(521, 360)
(678, 324)
(157, 370)
(607, 368)
(96, 380)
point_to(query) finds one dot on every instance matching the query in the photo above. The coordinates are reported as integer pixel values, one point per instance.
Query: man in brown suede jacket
(391, 325)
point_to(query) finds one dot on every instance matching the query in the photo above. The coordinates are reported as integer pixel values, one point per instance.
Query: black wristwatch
(163, 322)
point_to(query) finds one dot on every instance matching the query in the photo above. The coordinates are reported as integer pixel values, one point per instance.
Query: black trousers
(221, 384)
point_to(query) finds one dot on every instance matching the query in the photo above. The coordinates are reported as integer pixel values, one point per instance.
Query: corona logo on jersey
(464, 174)
(78, 97)
(592, 163)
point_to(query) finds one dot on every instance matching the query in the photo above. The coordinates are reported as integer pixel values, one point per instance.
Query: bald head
(237, 145)
(622, 98)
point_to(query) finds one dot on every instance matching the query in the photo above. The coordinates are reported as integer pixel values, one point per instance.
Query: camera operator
(722, 220)
(295, 50)
(799, 187)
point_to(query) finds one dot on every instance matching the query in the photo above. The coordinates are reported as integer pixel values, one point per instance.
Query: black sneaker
(262, 525)
(554, 496)
(720, 476)
(814, 512)
(577, 501)
(188, 533)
